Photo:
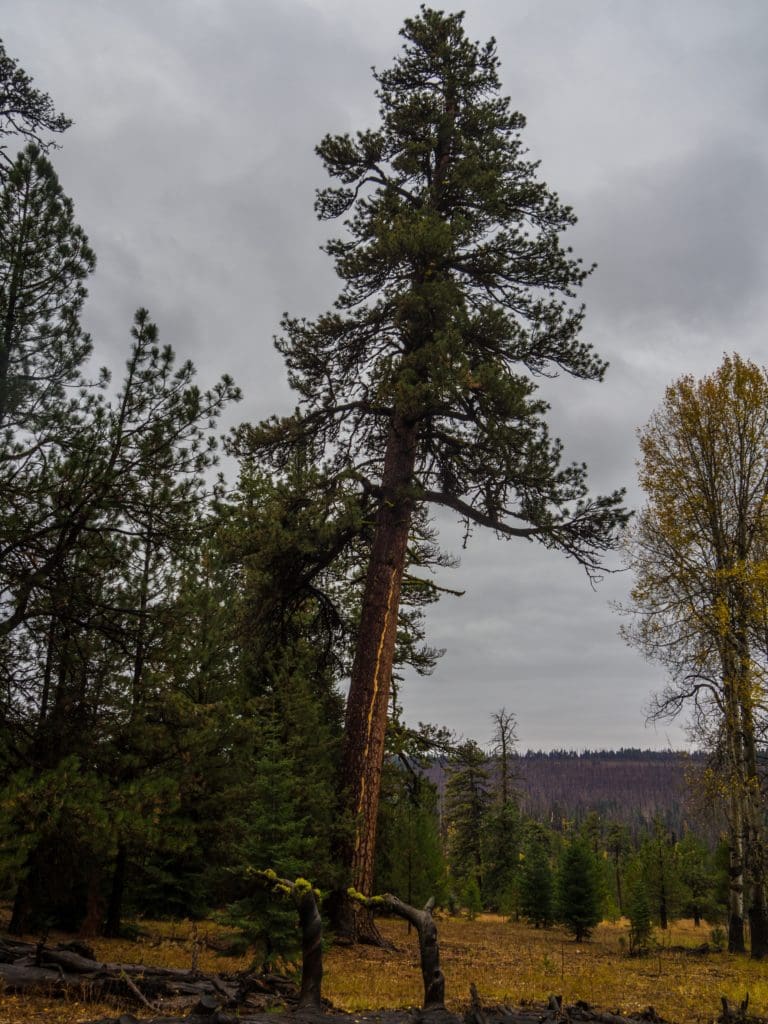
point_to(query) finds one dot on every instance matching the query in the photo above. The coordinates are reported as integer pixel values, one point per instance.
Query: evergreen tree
(467, 803)
(618, 846)
(288, 542)
(578, 889)
(659, 865)
(419, 385)
(503, 828)
(123, 513)
(639, 912)
(44, 260)
(409, 858)
(592, 831)
(471, 897)
(537, 883)
(504, 751)
(277, 833)
(697, 879)
(501, 845)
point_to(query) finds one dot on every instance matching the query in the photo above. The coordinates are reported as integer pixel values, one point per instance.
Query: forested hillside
(633, 787)
(630, 786)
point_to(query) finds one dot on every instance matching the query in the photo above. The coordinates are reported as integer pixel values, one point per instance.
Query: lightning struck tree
(700, 600)
(420, 383)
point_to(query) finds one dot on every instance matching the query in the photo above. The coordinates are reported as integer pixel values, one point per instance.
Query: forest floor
(510, 963)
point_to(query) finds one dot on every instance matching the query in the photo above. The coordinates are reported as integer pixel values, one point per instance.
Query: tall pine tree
(420, 383)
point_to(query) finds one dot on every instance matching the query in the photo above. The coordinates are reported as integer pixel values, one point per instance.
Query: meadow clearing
(510, 963)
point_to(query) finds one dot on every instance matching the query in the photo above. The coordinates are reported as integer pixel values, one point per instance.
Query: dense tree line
(575, 870)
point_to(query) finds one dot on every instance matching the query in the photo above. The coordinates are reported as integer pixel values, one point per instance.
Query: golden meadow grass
(510, 963)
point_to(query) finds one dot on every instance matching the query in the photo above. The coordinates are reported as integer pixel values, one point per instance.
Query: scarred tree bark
(368, 701)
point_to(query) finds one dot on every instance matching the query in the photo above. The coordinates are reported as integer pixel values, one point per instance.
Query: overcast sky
(192, 168)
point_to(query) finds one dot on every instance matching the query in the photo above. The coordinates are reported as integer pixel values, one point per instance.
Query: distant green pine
(639, 909)
(579, 890)
(468, 802)
(537, 886)
(409, 858)
(276, 838)
(501, 856)
(471, 898)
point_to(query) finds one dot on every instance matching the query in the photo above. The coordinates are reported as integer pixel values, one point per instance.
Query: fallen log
(28, 967)
(186, 997)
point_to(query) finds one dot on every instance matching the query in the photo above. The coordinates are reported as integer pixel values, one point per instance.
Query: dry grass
(509, 963)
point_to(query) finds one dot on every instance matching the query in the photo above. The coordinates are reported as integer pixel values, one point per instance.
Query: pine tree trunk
(93, 911)
(619, 899)
(367, 704)
(19, 923)
(115, 908)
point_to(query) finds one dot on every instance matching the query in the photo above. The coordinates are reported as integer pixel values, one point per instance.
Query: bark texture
(368, 700)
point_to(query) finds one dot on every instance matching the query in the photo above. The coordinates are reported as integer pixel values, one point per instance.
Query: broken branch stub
(305, 898)
(429, 948)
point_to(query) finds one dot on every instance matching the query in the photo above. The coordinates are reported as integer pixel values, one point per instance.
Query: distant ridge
(628, 785)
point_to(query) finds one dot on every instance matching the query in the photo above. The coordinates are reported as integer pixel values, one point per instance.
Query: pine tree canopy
(457, 294)
(24, 111)
(44, 260)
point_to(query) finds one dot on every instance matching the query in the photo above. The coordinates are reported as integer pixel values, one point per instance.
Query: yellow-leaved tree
(700, 599)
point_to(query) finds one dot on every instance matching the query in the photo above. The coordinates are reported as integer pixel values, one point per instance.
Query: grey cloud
(532, 635)
(684, 243)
